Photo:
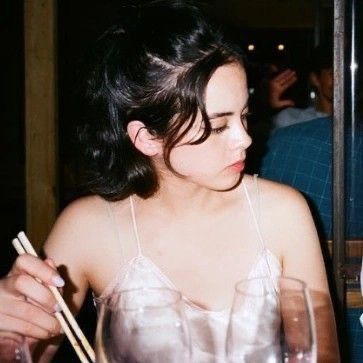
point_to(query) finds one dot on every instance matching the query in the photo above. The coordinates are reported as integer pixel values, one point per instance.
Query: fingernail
(58, 281)
(57, 308)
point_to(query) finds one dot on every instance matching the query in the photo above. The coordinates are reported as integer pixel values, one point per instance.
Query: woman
(171, 206)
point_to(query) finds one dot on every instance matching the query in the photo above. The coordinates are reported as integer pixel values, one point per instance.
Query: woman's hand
(27, 306)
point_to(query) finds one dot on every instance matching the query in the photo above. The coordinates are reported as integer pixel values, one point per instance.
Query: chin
(231, 185)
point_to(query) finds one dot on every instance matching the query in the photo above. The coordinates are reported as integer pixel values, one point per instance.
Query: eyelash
(219, 130)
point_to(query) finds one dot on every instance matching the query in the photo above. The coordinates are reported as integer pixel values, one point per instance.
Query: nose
(240, 139)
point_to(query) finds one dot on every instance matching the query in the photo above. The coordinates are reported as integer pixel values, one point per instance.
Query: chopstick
(20, 249)
(23, 245)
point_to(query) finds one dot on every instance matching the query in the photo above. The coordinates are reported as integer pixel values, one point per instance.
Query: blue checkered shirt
(301, 156)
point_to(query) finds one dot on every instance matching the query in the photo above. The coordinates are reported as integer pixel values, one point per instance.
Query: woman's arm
(291, 224)
(26, 306)
(71, 244)
(86, 251)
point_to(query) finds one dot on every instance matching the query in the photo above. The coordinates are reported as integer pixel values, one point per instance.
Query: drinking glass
(16, 353)
(144, 325)
(271, 321)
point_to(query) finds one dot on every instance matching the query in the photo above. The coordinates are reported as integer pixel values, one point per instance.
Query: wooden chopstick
(23, 245)
(29, 248)
(72, 321)
(20, 249)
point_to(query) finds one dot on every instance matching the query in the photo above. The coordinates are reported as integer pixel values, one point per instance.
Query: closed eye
(218, 130)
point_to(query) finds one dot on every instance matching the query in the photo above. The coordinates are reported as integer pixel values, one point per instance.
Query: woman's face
(218, 162)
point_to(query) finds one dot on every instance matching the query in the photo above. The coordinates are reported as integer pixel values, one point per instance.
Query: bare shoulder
(82, 230)
(289, 227)
(79, 220)
(86, 216)
(281, 199)
(286, 219)
(285, 208)
(84, 209)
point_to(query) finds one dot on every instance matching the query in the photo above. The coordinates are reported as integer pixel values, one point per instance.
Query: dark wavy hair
(321, 58)
(152, 66)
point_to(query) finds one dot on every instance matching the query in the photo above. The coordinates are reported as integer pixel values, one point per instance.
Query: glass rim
(109, 305)
(302, 283)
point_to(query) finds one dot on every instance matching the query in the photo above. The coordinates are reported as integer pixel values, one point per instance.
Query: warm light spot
(281, 47)
(251, 47)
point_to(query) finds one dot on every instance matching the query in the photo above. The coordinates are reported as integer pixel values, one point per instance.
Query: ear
(142, 139)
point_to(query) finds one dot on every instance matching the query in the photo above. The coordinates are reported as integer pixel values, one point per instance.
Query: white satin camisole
(208, 328)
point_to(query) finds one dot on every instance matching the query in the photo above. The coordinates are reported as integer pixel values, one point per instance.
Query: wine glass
(16, 352)
(23, 353)
(145, 325)
(271, 320)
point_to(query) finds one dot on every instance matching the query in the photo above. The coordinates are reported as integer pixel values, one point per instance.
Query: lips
(238, 166)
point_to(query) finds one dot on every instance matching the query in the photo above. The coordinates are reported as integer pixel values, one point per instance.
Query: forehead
(227, 89)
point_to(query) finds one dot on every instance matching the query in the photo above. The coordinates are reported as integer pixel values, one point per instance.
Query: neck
(178, 196)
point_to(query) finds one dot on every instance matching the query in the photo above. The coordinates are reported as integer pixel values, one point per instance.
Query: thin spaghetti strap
(257, 225)
(112, 217)
(135, 226)
(260, 238)
(255, 179)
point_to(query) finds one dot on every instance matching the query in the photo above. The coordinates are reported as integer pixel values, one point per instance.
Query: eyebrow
(223, 114)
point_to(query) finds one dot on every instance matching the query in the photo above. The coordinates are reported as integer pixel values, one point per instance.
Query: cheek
(194, 160)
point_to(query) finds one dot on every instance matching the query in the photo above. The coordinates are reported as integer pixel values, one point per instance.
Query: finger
(286, 86)
(8, 348)
(290, 80)
(286, 82)
(25, 285)
(7, 335)
(35, 267)
(51, 263)
(285, 74)
(35, 315)
(277, 87)
(23, 327)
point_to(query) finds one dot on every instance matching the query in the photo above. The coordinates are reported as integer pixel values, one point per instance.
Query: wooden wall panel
(40, 117)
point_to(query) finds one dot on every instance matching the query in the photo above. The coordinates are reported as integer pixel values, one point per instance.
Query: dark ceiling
(272, 13)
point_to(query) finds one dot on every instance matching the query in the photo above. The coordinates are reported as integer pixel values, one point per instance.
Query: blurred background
(278, 33)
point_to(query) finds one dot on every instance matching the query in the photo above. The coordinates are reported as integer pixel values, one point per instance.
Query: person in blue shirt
(300, 155)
